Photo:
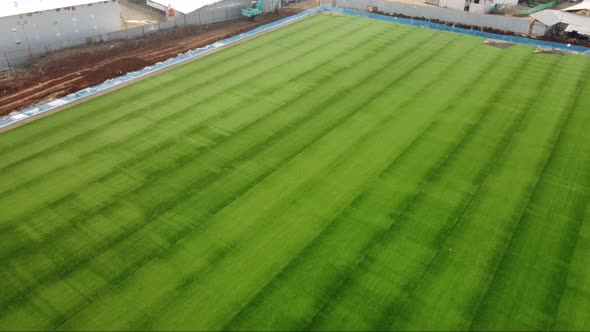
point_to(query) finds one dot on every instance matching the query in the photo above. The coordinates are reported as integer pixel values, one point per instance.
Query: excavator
(255, 11)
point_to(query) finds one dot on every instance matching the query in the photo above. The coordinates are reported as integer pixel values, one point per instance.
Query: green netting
(535, 9)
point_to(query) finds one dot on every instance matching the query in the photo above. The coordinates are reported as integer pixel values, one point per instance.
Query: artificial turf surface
(338, 173)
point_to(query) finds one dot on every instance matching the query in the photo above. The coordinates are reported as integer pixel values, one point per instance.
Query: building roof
(583, 30)
(18, 7)
(581, 6)
(574, 22)
(573, 19)
(183, 6)
(551, 17)
(548, 17)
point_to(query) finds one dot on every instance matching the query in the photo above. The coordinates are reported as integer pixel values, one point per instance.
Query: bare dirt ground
(134, 15)
(72, 70)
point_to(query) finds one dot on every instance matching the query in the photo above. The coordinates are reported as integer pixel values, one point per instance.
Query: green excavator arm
(256, 8)
(253, 10)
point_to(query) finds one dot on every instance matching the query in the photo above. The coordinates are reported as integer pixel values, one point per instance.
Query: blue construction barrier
(46, 107)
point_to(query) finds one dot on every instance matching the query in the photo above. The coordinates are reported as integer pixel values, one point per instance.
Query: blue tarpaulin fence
(37, 110)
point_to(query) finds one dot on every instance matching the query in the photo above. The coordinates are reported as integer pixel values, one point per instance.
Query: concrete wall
(35, 29)
(220, 11)
(217, 12)
(231, 9)
(540, 29)
(23, 54)
(452, 4)
(506, 2)
(513, 24)
(156, 5)
(483, 7)
(23, 36)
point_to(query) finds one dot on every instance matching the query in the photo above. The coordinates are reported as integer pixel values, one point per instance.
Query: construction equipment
(255, 11)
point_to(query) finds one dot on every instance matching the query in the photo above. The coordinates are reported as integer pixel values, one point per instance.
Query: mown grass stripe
(163, 100)
(144, 156)
(117, 100)
(346, 155)
(167, 96)
(289, 269)
(458, 315)
(109, 145)
(397, 217)
(462, 207)
(327, 102)
(249, 126)
(14, 197)
(331, 129)
(496, 289)
(574, 303)
(250, 204)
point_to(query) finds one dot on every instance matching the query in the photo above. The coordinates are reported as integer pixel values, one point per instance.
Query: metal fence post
(8, 62)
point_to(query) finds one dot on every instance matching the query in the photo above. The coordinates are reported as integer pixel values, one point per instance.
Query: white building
(30, 25)
(474, 6)
(563, 21)
(188, 7)
(180, 6)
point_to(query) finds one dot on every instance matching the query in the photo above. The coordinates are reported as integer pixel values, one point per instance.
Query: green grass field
(338, 173)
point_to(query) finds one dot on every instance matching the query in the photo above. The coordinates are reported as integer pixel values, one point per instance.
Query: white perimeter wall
(507, 2)
(218, 12)
(35, 30)
(483, 7)
(452, 4)
(514, 24)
